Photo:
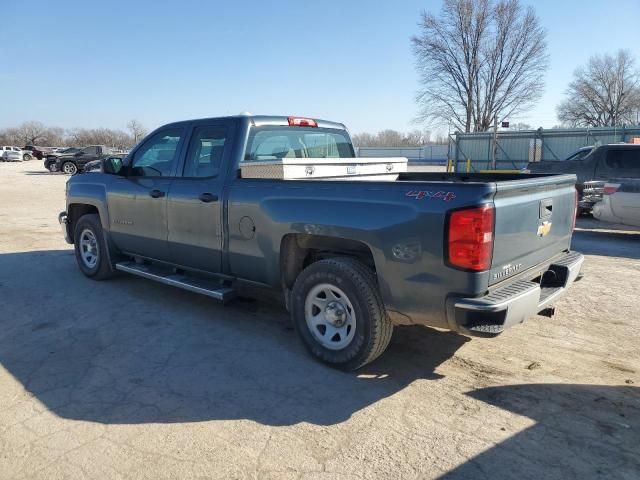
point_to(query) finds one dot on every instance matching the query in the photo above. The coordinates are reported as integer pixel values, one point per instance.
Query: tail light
(302, 122)
(470, 238)
(611, 188)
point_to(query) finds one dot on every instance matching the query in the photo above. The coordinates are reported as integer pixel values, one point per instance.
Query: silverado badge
(544, 229)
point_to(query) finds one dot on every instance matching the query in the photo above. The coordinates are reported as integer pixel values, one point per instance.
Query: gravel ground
(132, 379)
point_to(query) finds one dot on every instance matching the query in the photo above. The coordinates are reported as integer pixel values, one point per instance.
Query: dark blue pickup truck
(472, 253)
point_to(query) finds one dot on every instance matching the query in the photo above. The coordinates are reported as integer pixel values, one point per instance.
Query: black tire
(27, 157)
(101, 270)
(373, 328)
(69, 168)
(52, 167)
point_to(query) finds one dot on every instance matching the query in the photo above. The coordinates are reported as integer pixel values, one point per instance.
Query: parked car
(50, 160)
(475, 253)
(599, 164)
(73, 163)
(26, 154)
(620, 202)
(11, 154)
(36, 152)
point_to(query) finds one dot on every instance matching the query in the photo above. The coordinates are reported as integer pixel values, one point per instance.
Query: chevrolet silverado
(474, 253)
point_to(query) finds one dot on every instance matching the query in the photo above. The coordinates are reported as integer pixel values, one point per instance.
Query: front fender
(92, 192)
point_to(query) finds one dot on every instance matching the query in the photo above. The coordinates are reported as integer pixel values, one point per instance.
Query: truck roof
(262, 120)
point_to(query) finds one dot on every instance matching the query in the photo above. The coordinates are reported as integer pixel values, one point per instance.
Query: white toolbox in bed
(325, 168)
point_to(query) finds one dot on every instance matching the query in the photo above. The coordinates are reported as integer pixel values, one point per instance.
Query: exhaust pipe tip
(548, 312)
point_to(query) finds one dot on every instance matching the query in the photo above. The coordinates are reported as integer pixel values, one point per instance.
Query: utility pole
(495, 142)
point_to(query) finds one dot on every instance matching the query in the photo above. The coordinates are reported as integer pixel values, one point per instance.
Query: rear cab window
(626, 161)
(278, 142)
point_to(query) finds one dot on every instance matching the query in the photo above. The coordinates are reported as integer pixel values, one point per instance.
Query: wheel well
(77, 210)
(297, 251)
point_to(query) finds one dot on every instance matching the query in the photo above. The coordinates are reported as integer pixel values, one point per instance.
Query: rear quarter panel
(404, 233)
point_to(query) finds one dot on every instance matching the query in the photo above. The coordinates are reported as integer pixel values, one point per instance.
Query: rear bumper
(514, 303)
(62, 219)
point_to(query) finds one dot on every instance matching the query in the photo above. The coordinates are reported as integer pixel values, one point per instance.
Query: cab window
(204, 156)
(157, 156)
(90, 151)
(627, 161)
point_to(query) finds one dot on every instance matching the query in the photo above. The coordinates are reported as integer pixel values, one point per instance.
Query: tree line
(394, 138)
(483, 61)
(36, 133)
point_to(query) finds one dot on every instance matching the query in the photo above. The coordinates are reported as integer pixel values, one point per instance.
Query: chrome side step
(210, 288)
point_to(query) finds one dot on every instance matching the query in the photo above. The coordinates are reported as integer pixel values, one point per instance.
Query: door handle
(156, 193)
(208, 197)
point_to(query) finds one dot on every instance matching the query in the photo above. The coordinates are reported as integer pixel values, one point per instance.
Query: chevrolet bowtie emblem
(544, 229)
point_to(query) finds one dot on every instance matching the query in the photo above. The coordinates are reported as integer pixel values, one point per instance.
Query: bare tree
(99, 136)
(604, 93)
(137, 130)
(363, 139)
(31, 133)
(479, 60)
(393, 138)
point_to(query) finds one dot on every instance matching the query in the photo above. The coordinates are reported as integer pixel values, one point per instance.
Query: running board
(210, 288)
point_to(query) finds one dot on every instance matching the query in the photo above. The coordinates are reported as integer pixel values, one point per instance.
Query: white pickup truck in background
(620, 202)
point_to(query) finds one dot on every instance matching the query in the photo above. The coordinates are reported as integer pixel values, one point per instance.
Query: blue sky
(102, 63)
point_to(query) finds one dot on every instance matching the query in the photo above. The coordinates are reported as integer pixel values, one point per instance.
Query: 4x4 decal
(420, 194)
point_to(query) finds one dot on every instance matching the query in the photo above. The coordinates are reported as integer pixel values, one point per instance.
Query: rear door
(137, 203)
(533, 223)
(88, 154)
(194, 202)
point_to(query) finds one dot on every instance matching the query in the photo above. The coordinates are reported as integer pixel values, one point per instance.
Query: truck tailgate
(533, 223)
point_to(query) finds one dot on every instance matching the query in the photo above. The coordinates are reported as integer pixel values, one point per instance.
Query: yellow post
(468, 165)
(449, 165)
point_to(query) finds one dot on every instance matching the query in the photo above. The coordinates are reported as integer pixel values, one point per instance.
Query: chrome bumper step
(210, 288)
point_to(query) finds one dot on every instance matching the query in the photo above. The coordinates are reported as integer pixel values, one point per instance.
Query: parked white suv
(13, 154)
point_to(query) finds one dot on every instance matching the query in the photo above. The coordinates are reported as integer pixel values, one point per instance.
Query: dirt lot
(131, 379)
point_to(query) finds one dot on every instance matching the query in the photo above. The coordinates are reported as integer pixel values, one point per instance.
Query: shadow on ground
(596, 238)
(587, 431)
(131, 351)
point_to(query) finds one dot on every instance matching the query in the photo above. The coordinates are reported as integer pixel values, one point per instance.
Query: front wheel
(27, 157)
(90, 248)
(69, 168)
(338, 312)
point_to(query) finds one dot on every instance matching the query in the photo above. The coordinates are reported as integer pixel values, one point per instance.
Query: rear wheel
(69, 168)
(338, 312)
(26, 156)
(90, 248)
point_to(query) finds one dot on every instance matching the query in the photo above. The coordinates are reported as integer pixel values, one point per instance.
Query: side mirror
(113, 165)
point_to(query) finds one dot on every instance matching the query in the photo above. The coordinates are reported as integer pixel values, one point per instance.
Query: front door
(194, 204)
(138, 202)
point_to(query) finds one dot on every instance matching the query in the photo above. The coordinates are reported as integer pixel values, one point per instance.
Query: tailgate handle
(546, 208)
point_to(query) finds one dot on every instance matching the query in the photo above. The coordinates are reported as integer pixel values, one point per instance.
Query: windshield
(276, 142)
